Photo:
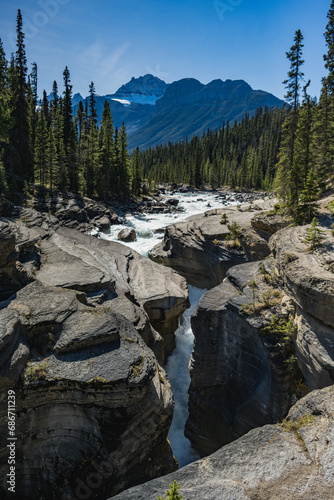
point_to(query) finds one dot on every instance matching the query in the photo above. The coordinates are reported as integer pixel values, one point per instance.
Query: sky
(111, 41)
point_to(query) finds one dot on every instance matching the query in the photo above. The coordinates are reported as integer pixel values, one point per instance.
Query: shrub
(172, 493)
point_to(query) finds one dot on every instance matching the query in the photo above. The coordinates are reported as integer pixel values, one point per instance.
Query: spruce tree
(69, 134)
(329, 57)
(308, 199)
(21, 157)
(288, 176)
(323, 146)
(41, 149)
(123, 162)
(4, 111)
(92, 164)
(107, 179)
(315, 235)
(303, 151)
(136, 177)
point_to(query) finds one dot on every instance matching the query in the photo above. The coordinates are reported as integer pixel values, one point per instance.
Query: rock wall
(238, 377)
(196, 249)
(294, 460)
(93, 406)
(309, 280)
(84, 325)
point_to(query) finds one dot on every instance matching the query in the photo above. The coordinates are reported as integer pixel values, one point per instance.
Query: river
(146, 227)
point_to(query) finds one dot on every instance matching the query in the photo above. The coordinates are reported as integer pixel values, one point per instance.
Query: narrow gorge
(97, 339)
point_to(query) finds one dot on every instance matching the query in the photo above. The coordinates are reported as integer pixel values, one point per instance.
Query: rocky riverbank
(84, 326)
(88, 323)
(289, 460)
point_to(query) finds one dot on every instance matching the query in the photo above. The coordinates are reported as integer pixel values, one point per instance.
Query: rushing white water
(146, 226)
(178, 373)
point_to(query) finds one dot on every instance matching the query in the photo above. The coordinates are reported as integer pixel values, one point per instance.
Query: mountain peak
(146, 89)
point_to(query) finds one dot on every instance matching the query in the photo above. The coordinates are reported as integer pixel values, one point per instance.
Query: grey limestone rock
(238, 378)
(269, 462)
(127, 234)
(196, 249)
(93, 407)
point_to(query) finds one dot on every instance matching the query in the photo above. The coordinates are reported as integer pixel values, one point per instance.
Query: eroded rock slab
(108, 270)
(197, 248)
(270, 462)
(238, 377)
(91, 399)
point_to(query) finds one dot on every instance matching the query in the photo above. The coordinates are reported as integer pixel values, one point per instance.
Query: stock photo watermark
(48, 10)
(223, 7)
(11, 442)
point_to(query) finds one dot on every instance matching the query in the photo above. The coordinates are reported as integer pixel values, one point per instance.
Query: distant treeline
(244, 155)
(289, 149)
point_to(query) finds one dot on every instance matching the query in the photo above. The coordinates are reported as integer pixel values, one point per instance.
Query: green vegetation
(237, 155)
(172, 493)
(224, 219)
(137, 369)
(36, 372)
(234, 237)
(43, 145)
(314, 235)
(295, 426)
(306, 155)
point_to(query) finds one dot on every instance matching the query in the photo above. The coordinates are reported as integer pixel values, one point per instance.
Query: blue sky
(109, 41)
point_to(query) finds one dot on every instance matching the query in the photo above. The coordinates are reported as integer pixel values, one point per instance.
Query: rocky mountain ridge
(155, 112)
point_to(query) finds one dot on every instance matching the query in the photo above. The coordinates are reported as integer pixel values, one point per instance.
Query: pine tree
(107, 181)
(172, 493)
(324, 125)
(288, 178)
(51, 158)
(304, 132)
(41, 150)
(329, 57)
(4, 113)
(122, 159)
(314, 235)
(69, 134)
(308, 199)
(92, 164)
(21, 157)
(136, 177)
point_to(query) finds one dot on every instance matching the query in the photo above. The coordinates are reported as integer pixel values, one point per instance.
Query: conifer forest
(42, 143)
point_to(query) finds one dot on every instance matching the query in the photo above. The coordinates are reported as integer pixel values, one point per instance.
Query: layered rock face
(238, 377)
(150, 296)
(309, 280)
(93, 407)
(294, 460)
(195, 248)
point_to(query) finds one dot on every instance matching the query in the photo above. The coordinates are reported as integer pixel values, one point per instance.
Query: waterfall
(146, 227)
(178, 373)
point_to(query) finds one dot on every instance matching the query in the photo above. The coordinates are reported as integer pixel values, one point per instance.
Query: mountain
(143, 90)
(156, 112)
(189, 108)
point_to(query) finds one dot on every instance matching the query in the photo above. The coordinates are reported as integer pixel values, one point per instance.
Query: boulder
(293, 460)
(73, 210)
(127, 234)
(85, 384)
